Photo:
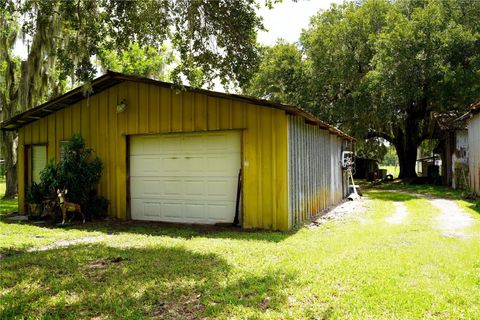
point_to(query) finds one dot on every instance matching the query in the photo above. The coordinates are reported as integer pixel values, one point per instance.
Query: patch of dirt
(458, 235)
(103, 263)
(96, 270)
(451, 217)
(186, 307)
(400, 214)
(58, 244)
(67, 243)
(344, 210)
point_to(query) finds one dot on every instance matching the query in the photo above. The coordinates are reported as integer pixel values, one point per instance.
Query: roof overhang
(98, 85)
(475, 108)
(111, 79)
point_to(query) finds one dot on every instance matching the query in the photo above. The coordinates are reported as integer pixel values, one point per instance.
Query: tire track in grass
(59, 244)
(68, 243)
(401, 213)
(452, 218)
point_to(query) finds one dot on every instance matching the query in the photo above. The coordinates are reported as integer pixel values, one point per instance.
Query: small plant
(34, 198)
(34, 193)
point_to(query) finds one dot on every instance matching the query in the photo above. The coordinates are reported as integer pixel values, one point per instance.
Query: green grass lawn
(426, 189)
(6, 206)
(358, 268)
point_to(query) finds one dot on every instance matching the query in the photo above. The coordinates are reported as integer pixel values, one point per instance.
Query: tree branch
(376, 134)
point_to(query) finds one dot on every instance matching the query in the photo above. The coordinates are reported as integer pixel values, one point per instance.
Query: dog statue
(66, 206)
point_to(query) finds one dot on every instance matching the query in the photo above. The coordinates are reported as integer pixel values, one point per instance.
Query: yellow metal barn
(187, 155)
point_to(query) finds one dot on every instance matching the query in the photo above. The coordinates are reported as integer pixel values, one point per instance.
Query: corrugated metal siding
(474, 152)
(153, 109)
(459, 168)
(316, 180)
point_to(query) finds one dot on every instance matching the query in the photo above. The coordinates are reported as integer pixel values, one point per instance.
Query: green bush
(96, 206)
(78, 172)
(34, 194)
(49, 180)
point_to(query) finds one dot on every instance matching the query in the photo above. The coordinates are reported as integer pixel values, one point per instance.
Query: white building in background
(473, 121)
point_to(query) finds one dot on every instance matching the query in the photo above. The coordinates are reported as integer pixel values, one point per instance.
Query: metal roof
(475, 107)
(450, 120)
(113, 78)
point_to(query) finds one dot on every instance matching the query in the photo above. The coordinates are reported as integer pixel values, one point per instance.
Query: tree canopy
(66, 39)
(379, 68)
(279, 75)
(195, 41)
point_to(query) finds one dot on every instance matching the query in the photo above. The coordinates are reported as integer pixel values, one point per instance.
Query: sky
(287, 19)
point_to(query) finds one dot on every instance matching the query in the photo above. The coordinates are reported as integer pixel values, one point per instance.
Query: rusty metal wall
(474, 152)
(315, 178)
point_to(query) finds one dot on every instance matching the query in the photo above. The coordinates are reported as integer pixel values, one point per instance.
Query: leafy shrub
(97, 206)
(49, 180)
(79, 172)
(34, 194)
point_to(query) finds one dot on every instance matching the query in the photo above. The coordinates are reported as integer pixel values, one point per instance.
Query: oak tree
(379, 69)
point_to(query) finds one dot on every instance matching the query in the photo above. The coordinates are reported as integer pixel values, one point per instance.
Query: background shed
(474, 148)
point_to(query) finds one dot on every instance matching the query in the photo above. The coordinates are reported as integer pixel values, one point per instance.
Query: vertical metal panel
(152, 109)
(315, 178)
(21, 170)
(474, 152)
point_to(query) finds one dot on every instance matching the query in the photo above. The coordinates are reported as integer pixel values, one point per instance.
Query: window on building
(38, 161)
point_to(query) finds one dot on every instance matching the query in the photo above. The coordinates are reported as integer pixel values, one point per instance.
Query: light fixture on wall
(122, 106)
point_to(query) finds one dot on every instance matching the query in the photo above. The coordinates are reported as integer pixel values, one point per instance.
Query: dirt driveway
(450, 217)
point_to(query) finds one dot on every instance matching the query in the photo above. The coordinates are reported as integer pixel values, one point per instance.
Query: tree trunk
(10, 157)
(407, 140)
(407, 158)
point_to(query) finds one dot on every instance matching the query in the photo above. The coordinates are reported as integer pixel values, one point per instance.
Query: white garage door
(185, 178)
